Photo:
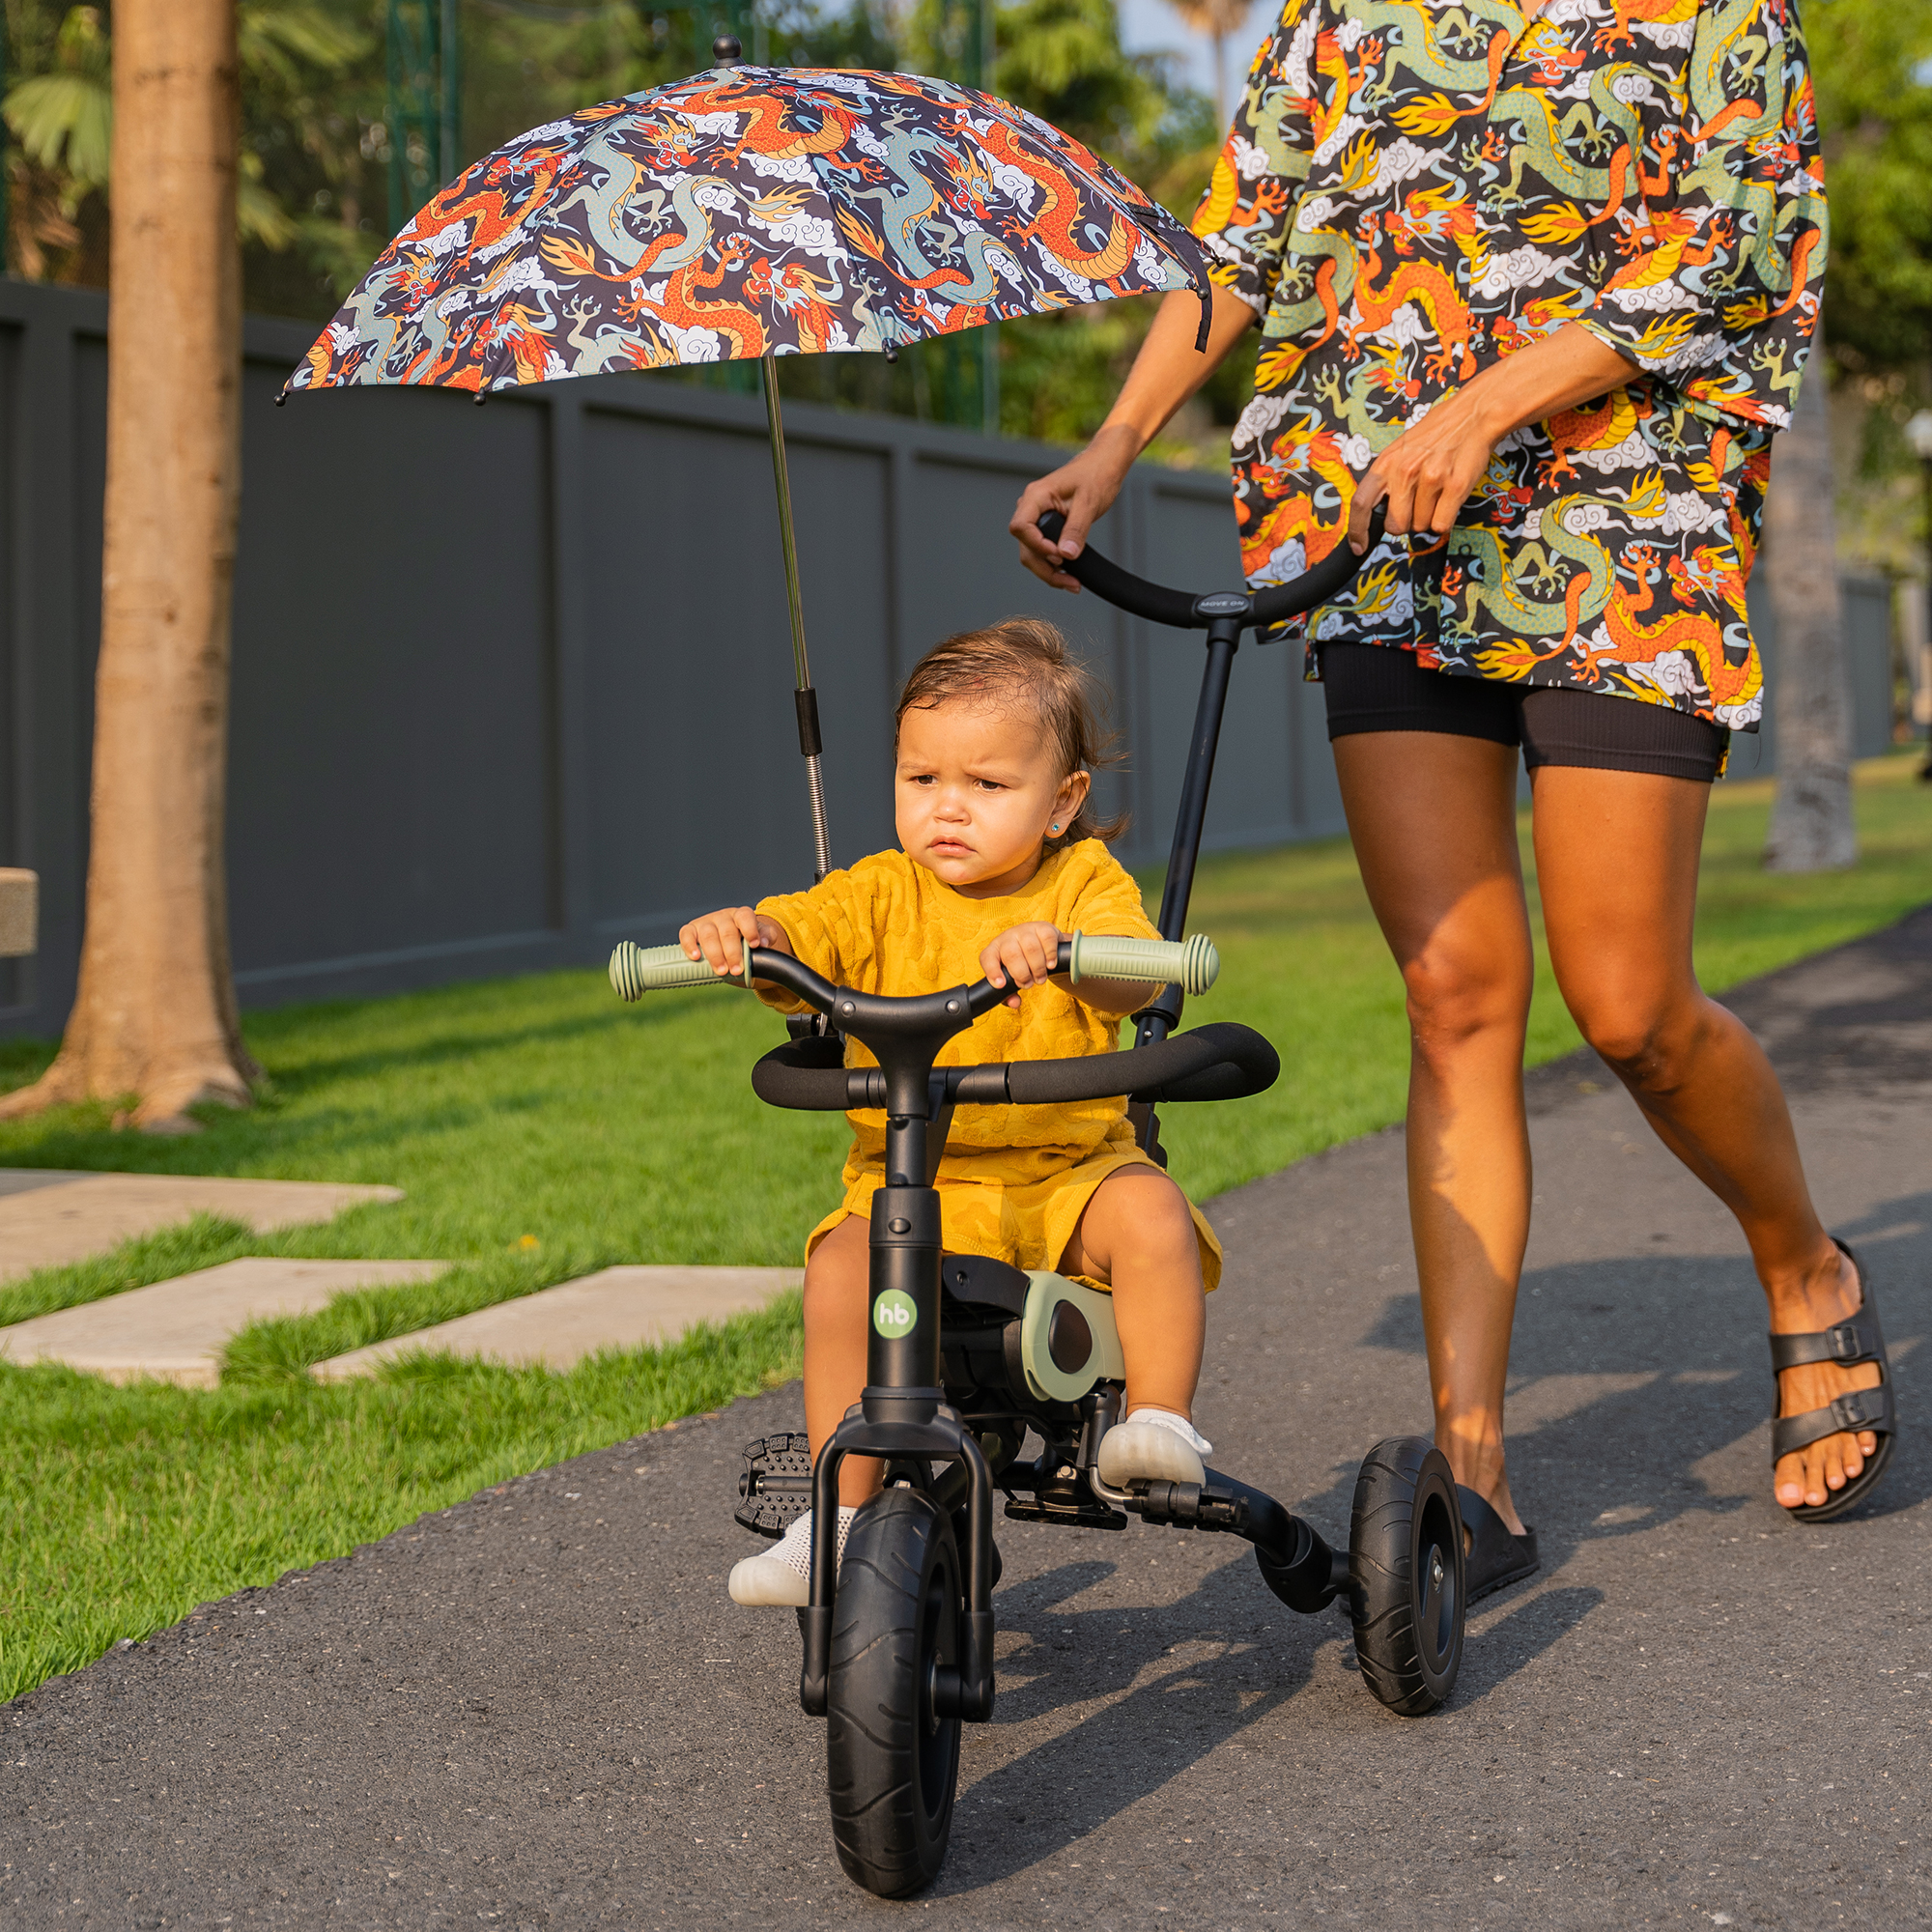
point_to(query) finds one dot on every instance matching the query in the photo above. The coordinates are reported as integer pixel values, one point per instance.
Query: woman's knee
(1646, 1037)
(1455, 999)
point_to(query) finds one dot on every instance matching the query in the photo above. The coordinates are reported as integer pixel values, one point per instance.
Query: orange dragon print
(1411, 193)
(748, 211)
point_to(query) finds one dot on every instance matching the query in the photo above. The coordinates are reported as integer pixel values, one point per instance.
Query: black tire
(892, 1764)
(1405, 1575)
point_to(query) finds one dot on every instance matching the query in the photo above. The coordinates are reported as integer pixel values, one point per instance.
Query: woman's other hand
(1021, 957)
(719, 938)
(1427, 473)
(1166, 372)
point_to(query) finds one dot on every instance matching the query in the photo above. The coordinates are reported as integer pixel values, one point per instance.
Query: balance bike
(968, 1358)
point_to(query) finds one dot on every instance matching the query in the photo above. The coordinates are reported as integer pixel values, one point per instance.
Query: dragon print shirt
(1414, 189)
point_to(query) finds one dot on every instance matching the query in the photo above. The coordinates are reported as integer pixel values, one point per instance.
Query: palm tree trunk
(1811, 825)
(154, 1015)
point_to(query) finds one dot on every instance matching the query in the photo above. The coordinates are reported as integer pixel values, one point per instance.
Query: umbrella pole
(805, 697)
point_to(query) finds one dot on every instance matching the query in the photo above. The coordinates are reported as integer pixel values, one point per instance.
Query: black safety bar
(1221, 1061)
(1186, 610)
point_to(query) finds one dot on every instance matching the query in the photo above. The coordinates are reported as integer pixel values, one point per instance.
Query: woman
(1542, 286)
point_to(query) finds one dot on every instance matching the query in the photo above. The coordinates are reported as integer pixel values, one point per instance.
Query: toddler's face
(975, 791)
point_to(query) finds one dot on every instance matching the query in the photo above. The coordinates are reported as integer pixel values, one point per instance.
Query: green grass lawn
(542, 1130)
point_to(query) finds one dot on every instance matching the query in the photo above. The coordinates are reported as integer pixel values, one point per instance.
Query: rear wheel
(892, 1760)
(1405, 1575)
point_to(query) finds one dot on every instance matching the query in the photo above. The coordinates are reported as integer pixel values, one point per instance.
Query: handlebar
(1192, 963)
(1186, 610)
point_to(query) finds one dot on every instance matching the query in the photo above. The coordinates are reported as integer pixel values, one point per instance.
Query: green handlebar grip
(1191, 962)
(638, 970)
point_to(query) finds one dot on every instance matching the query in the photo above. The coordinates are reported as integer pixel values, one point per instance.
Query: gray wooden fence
(512, 683)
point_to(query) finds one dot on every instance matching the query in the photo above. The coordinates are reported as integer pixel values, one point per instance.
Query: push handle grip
(1192, 963)
(638, 970)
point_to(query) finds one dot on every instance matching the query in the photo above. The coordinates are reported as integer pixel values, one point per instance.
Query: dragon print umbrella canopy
(750, 211)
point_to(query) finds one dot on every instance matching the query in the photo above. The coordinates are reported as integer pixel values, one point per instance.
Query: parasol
(750, 213)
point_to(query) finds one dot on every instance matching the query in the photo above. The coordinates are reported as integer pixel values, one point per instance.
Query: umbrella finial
(726, 50)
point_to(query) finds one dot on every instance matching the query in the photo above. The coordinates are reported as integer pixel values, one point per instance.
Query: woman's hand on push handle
(720, 938)
(1167, 371)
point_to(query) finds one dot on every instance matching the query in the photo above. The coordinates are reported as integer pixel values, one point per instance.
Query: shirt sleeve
(1104, 900)
(823, 931)
(1720, 293)
(1244, 217)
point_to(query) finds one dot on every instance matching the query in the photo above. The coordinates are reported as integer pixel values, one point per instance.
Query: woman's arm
(1166, 372)
(1428, 472)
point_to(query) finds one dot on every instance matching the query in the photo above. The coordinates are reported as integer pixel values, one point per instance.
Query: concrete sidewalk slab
(49, 1216)
(617, 1308)
(173, 1331)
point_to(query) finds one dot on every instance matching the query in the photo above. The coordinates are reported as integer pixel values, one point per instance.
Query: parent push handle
(1186, 610)
(1192, 963)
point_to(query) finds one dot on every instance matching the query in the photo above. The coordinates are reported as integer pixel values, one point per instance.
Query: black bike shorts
(1382, 688)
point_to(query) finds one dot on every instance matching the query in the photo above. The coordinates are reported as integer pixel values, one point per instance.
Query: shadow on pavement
(1180, 1678)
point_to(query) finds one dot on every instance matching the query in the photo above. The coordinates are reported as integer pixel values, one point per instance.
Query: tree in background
(1811, 825)
(154, 1016)
(1875, 121)
(1217, 19)
(1873, 69)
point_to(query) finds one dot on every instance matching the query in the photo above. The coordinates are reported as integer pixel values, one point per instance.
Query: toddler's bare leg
(1137, 1235)
(835, 1285)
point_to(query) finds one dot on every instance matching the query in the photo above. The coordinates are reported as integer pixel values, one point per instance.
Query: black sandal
(1494, 1557)
(1853, 1342)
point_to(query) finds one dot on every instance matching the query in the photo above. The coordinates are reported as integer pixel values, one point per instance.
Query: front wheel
(1405, 1575)
(892, 1760)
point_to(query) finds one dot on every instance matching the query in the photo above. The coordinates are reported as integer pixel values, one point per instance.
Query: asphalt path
(539, 1710)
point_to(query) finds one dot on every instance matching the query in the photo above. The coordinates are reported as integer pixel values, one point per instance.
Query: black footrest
(775, 1489)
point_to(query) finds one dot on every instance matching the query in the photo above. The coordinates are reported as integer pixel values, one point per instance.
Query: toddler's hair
(1023, 664)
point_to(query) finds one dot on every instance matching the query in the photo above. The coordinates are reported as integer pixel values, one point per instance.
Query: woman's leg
(1616, 860)
(1432, 818)
(1137, 1235)
(836, 1281)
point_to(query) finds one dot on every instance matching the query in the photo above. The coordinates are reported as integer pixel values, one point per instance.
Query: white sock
(795, 1546)
(1165, 1419)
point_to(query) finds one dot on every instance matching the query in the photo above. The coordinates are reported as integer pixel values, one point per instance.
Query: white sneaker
(1154, 1445)
(782, 1574)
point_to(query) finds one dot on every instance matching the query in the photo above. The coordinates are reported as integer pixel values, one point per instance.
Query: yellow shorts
(1027, 1226)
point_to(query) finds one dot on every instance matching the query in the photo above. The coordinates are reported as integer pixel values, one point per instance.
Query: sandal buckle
(1847, 1346)
(1851, 1411)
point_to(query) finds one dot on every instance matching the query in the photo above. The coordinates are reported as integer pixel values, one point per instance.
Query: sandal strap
(1854, 1340)
(1861, 1409)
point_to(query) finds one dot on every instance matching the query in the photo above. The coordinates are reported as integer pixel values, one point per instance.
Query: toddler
(999, 861)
